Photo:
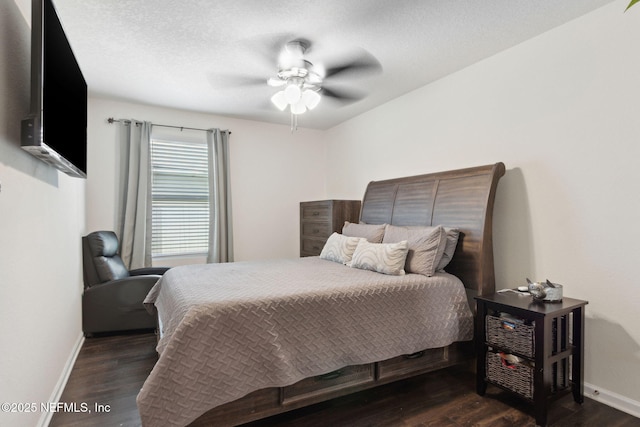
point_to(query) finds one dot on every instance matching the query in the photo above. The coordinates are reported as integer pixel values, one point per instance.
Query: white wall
(42, 218)
(272, 171)
(561, 112)
(557, 110)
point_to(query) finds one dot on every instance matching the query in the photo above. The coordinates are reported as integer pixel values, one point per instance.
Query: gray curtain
(220, 226)
(134, 221)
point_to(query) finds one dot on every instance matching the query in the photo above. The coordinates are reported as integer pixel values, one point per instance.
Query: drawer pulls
(315, 213)
(330, 375)
(415, 355)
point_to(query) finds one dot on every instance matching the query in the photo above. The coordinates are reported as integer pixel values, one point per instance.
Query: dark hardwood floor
(110, 371)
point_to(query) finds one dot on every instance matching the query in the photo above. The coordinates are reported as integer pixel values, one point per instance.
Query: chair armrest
(133, 288)
(148, 270)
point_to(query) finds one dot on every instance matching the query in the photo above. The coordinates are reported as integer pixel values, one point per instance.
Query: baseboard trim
(612, 399)
(45, 418)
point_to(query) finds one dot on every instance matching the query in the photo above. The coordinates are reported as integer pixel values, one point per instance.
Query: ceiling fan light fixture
(311, 98)
(292, 93)
(298, 107)
(279, 100)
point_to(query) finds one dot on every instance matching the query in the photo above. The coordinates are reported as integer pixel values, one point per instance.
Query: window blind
(179, 198)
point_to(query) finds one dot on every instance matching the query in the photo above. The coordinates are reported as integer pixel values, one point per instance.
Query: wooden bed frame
(461, 198)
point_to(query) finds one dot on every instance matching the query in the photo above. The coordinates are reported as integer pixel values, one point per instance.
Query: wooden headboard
(460, 198)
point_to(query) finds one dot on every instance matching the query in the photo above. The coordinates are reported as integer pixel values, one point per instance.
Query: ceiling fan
(303, 84)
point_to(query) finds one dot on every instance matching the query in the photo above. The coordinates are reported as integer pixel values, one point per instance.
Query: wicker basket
(517, 378)
(514, 337)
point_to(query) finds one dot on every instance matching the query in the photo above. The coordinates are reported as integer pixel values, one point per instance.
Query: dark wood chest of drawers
(319, 219)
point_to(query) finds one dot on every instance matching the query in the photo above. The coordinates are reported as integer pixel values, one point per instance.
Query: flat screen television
(56, 129)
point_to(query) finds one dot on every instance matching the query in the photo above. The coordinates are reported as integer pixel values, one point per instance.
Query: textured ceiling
(195, 55)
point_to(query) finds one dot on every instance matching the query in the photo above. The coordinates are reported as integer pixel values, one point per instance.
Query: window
(179, 197)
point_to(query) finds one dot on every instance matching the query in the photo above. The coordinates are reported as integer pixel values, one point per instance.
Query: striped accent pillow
(339, 248)
(386, 258)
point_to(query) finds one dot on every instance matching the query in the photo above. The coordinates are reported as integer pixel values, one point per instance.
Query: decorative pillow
(372, 232)
(426, 246)
(339, 248)
(453, 234)
(386, 258)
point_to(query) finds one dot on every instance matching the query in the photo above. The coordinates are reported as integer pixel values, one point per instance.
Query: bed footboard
(351, 379)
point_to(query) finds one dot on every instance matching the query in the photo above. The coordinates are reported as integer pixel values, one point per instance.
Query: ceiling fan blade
(226, 80)
(364, 63)
(342, 95)
(276, 82)
(262, 50)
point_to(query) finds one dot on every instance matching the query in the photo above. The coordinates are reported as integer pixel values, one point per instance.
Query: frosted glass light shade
(279, 100)
(298, 107)
(311, 99)
(292, 93)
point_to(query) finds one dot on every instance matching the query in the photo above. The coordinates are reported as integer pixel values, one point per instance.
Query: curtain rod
(111, 120)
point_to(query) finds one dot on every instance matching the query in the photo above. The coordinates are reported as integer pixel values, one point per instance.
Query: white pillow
(426, 246)
(339, 248)
(386, 258)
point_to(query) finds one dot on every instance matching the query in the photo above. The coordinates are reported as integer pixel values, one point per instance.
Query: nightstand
(319, 219)
(547, 337)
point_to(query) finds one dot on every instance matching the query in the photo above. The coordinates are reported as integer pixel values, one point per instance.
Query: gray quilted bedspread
(230, 329)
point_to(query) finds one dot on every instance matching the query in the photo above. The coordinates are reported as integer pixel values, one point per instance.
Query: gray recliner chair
(113, 295)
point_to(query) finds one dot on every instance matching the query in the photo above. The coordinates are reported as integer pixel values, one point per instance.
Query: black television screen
(56, 130)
